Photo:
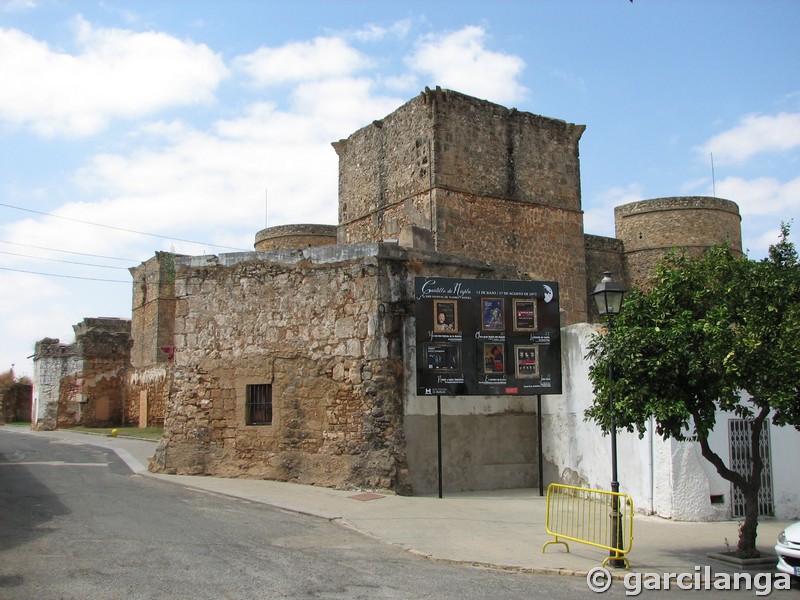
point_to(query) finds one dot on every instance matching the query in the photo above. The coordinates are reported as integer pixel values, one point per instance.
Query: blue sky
(197, 121)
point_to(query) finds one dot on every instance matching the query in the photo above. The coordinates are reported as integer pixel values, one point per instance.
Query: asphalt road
(76, 523)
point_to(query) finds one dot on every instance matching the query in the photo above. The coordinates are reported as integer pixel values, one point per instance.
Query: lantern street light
(608, 297)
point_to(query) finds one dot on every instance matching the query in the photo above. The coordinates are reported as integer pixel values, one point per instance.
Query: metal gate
(739, 435)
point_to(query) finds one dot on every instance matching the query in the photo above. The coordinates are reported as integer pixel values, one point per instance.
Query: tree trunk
(746, 548)
(749, 486)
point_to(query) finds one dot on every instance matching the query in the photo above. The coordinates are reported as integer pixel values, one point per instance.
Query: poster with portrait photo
(526, 362)
(494, 360)
(492, 317)
(524, 314)
(445, 316)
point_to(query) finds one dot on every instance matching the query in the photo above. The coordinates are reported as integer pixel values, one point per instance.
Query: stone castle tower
(319, 316)
(651, 228)
(484, 181)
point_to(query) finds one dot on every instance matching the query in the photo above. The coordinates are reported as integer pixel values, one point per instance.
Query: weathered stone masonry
(490, 183)
(323, 315)
(309, 324)
(84, 382)
(471, 189)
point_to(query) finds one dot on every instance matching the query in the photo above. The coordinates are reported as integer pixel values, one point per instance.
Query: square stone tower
(488, 182)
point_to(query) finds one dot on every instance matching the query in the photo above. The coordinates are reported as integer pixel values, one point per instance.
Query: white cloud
(321, 58)
(374, 33)
(116, 73)
(598, 217)
(762, 196)
(460, 61)
(17, 5)
(753, 135)
(341, 106)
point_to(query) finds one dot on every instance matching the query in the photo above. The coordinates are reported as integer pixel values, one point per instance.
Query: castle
(295, 361)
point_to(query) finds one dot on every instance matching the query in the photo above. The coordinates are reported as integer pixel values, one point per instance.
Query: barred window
(258, 404)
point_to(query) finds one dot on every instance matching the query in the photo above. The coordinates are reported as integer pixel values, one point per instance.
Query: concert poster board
(485, 337)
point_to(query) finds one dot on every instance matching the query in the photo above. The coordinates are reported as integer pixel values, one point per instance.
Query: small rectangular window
(258, 404)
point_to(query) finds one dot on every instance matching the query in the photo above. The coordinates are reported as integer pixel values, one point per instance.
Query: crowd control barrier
(594, 517)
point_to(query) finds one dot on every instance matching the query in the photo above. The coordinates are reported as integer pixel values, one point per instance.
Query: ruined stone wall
(308, 323)
(104, 345)
(54, 369)
(153, 309)
(152, 327)
(148, 393)
(649, 229)
(103, 392)
(82, 383)
(16, 402)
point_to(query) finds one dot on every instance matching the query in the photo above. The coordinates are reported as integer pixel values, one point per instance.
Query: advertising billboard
(484, 337)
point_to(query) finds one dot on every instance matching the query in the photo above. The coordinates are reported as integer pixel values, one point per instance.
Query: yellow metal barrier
(594, 517)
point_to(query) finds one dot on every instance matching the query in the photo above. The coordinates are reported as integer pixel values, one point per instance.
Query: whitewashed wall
(667, 478)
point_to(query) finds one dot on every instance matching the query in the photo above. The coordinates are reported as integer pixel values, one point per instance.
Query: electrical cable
(128, 260)
(69, 262)
(65, 276)
(164, 237)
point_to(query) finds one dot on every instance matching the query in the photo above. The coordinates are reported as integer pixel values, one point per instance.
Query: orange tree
(715, 332)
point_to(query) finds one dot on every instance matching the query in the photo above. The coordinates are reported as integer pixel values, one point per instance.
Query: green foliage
(707, 328)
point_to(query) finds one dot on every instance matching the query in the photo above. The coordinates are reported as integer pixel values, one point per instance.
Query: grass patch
(148, 433)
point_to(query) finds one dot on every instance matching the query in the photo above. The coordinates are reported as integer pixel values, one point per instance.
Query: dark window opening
(258, 404)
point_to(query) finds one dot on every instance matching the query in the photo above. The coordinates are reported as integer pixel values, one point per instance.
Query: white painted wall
(785, 452)
(664, 477)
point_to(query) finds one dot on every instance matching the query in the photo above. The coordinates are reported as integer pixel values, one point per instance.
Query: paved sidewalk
(504, 529)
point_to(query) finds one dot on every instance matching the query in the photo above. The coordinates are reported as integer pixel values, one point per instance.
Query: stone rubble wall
(54, 367)
(150, 385)
(15, 402)
(82, 383)
(153, 309)
(313, 330)
(542, 242)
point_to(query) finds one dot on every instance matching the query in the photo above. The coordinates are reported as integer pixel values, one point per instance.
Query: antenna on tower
(713, 178)
(266, 208)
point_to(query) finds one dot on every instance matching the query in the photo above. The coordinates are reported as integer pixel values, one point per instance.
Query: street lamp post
(608, 297)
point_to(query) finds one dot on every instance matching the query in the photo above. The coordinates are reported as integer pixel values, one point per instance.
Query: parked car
(788, 550)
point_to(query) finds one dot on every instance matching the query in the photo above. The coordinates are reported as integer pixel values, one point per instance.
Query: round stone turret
(286, 237)
(650, 229)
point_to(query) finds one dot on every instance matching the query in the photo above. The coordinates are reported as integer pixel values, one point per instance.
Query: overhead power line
(155, 235)
(65, 276)
(69, 262)
(127, 260)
